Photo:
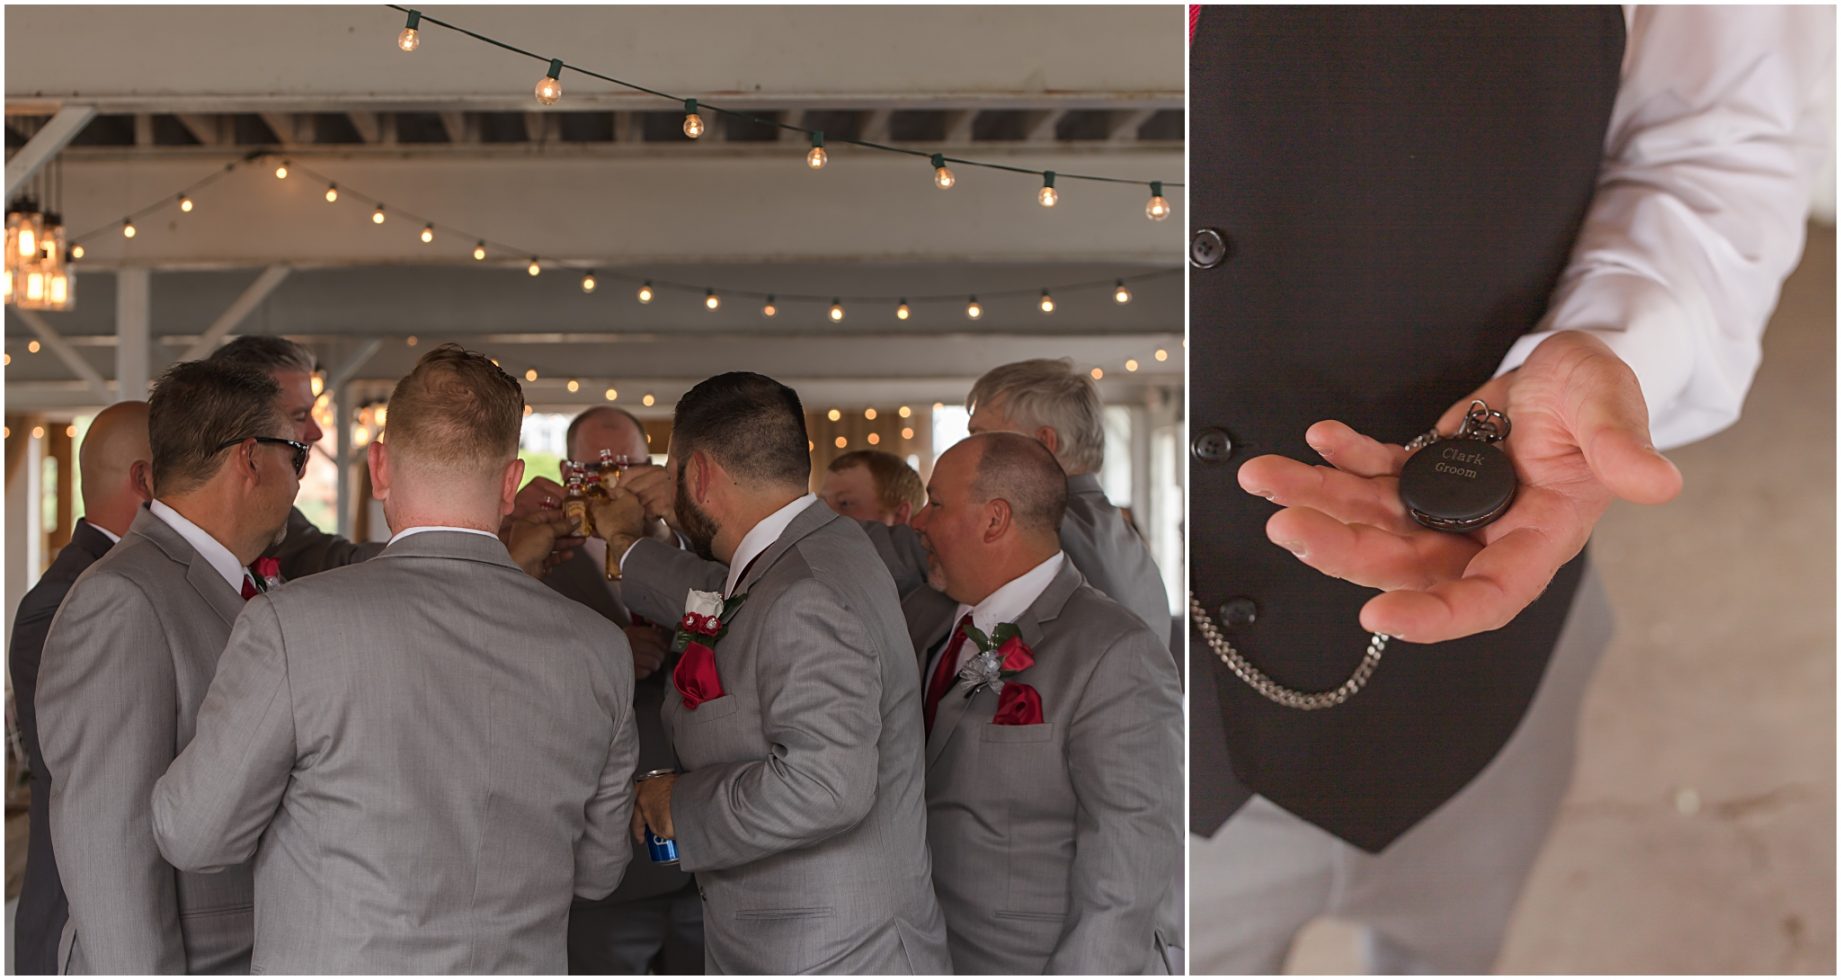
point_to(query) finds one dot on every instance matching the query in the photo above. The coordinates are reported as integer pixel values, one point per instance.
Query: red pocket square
(695, 676)
(1019, 704)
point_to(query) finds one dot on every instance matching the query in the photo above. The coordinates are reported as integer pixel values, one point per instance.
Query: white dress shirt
(760, 537)
(1720, 127)
(111, 535)
(1009, 601)
(406, 532)
(202, 542)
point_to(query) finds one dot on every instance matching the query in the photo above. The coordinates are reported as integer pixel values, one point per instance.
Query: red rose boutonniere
(1001, 656)
(706, 619)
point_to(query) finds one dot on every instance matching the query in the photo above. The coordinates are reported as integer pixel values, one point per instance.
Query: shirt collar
(406, 532)
(207, 546)
(105, 532)
(761, 537)
(1013, 598)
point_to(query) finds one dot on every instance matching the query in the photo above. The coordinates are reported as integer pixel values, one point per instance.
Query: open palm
(1580, 438)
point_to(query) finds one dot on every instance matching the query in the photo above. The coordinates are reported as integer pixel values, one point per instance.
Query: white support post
(239, 308)
(133, 332)
(45, 144)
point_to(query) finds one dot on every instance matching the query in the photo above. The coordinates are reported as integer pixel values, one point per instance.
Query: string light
(76, 251)
(645, 292)
(428, 234)
(534, 269)
(840, 442)
(332, 193)
(907, 433)
(281, 171)
(70, 432)
(409, 341)
(38, 432)
(901, 312)
(530, 374)
(904, 411)
(873, 439)
(938, 406)
(550, 86)
(1048, 302)
(1047, 196)
(185, 204)
(942, 175)
(1158, 208)
(127, 228)
(869, 415)
(1097, 374)
(528, 410)
(377, 216)
(574, 386)
(834, 415)
(817, 157)
(1161, 354)
(588, 282)
(610, 394)
(479, 252)
(973, 309)
(710, 300)
(410, 38)
(647, 400)
(32, 347)
(1120, 294)
(693, 123)
(1131, 364)
(837, 310)
(768, 309)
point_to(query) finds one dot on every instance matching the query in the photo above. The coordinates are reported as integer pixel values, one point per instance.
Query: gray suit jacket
(1112, 557)
(426, 753)
(1057, 847)
(801, 807)
(307, 549)
(580, 579)
(126, 665)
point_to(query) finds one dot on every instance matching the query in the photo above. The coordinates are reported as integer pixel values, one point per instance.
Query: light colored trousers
(1438, 899)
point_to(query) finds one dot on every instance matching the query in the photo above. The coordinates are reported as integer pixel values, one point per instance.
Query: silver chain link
(1272, 690)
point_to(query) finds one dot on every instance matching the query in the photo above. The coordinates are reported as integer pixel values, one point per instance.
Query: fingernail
(1321, 451)
(1263, 493)
(1296, 548)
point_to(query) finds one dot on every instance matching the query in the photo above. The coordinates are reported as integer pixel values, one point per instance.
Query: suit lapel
(815, 516)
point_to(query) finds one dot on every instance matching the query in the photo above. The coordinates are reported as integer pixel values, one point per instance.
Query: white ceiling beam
(875, 125)
(1042, 124)
(348, 368)
(234, 314)
(959, 126)
(205, 128)
(143, 129)
(45, 144)
(791, 117)
(64, 352)
(369, 128)
(1124, 124)
(285, 126)
(456, 125)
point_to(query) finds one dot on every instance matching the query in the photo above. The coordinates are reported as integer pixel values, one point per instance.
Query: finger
(1344, 496)
(1352, 452)
(638, 822)
(1366, 555)
(1614, 435)
(1500, 581)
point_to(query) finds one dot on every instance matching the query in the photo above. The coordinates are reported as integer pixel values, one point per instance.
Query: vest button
(1239, 611)
(1207, 249)
(1212, 446)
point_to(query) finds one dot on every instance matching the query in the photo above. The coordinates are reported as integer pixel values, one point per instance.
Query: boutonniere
(269, 571)
(1001, 656)
(706, 619)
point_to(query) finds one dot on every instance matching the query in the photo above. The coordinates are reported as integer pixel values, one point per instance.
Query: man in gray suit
(426, 753)
(127, 662)
(654, 921)
(1054, 792)
(117, 478)
(305, 549)
(801, 805)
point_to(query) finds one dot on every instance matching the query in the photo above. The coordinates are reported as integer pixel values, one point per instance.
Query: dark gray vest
(1399, 190)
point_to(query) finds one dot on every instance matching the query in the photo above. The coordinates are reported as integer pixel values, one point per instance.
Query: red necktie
(249, 589)
(944, 672)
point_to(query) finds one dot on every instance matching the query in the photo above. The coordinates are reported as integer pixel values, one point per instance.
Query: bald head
(606, 427)
(1018, 469)
(993, 512)
(116, 464)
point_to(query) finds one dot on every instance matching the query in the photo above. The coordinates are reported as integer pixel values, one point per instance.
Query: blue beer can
(663, 850)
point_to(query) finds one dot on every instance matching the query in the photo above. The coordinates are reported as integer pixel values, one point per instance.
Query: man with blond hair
(427, 753)
(871, 485)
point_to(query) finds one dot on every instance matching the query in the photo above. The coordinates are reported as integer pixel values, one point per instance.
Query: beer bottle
(575, 508)
(610, 472)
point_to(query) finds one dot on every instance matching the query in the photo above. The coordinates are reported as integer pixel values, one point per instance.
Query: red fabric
(1195, 14)
(695, 676)
(1016, 654)
(249, 589)
(268, 569)
(1018, 705)
(945, 671)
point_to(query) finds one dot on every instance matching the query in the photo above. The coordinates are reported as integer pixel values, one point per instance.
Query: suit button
(1239, 611)
(1212, 446)
(1207, 249)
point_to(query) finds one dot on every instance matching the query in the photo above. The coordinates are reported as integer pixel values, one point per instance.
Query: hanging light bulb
(834, 415)
(837, 311)
(1120, 294)
(281, 170)
(574, 386)
(35, 289)
(905, 412)
(1131, 364)
(942, 176)
(550, 87)
(409, 341)
(647, 400)
(817, 157)
(1158, 208)
(710, 300)
(1097, 374)
(410, 39)
(534, 267)
(611, 394)
(185, 204)
(428, 234)
(973, 310)
(769, 310)
(901, 310)
(479, 252)
(127, 227)
(1047, 196)
(60, 290)
(645, 292)
(693, 123)
(32, 347)
(76, 251)
(1161, 354)
(332, 193)
(377, 216)
(588, 282)
(1047, 303)
(869, 415)
(28, 241)
(530, 374)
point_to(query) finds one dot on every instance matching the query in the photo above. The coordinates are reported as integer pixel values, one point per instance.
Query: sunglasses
(302, 451)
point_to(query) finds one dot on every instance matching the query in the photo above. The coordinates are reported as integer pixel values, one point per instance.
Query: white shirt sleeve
(1720, 126)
